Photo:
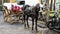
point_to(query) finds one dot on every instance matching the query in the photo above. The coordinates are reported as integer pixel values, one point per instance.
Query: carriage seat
(16, 8)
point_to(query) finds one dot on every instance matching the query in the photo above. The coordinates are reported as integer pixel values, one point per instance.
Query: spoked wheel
(49, 25)
(57, 28)
(54, 28)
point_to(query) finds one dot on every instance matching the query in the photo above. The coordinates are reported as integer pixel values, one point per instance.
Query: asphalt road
(18, 28)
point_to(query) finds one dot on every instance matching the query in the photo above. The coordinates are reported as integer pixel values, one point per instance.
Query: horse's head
(37, 7)
(5, 7)
(25, 6)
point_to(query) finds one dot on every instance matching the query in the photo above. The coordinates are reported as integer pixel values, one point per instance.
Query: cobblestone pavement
(6, 28)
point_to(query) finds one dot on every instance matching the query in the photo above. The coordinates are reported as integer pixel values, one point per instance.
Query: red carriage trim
(16, 8)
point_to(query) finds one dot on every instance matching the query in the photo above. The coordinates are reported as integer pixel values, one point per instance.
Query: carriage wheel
(21, 18)
(49, 25)
(10, 20)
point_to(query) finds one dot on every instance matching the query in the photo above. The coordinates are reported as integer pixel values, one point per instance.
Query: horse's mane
(25, 6)
(31, 9)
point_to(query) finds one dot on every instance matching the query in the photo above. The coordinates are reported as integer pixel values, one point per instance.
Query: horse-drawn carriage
(22, 11)
(12, 11)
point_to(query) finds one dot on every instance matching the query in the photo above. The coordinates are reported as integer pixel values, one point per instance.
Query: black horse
(31, 12)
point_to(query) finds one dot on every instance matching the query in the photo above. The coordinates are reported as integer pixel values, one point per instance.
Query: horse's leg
(32, 23)
(24, 21)
(5, 16)
(36, 23)
(10, 18)
(27, 21)
(5, 19)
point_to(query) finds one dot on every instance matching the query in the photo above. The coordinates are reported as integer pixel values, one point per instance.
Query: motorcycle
(54, 23)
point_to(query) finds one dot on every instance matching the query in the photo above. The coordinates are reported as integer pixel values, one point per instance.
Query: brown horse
(6, 13)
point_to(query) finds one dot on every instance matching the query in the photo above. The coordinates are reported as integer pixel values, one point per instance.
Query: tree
(59, 7)
(47, 10)
(41, 2)
(54, 4)
(51, 5)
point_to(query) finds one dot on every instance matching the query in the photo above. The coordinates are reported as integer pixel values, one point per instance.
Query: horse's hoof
(28, 27)
(32, 29)
(5, 21)
(25, 28)
(11, 23)
(36, 31)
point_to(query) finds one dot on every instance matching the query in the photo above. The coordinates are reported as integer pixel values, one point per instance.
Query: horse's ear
(37, 4)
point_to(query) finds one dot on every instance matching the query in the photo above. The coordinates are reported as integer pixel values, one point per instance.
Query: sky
(31, 2)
